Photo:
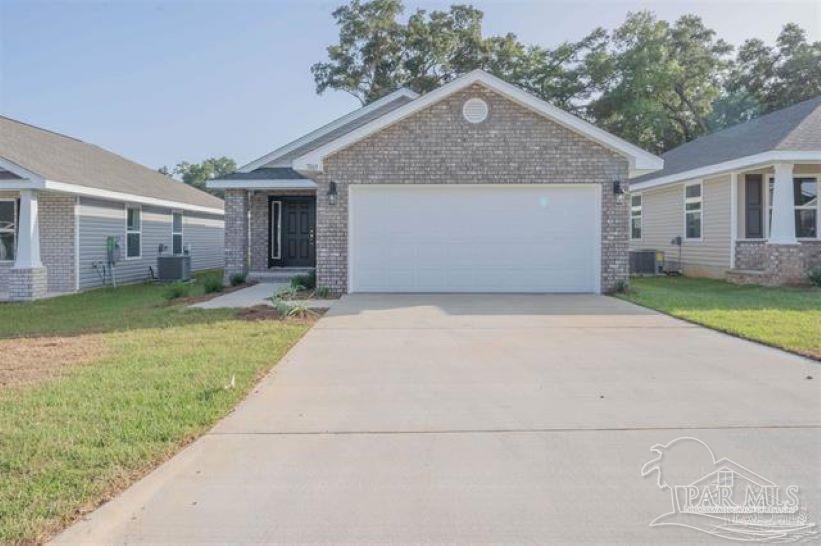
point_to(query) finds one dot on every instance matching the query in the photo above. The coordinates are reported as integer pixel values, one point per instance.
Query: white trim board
(740, 164)
(641, 161)
(325, 129)
(86, 191)
(290, 184)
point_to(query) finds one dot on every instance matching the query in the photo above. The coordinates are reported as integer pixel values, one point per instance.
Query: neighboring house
(60, 201)
(476, 186)
(743, 200)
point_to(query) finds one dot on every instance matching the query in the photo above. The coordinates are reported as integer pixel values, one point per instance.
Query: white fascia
(16, 169)
(85, 191)
(291, 184)
(325, 129)
(742, 163)
(641, 161)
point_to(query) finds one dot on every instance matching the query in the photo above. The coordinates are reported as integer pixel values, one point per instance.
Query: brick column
(27, 279)
(236, 233)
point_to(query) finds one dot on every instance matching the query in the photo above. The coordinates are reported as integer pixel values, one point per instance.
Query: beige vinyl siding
(663, 220)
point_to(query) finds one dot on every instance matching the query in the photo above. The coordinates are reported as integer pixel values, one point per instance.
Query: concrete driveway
(478, 418)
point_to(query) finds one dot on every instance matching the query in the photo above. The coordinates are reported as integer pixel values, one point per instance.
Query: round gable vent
(475, 110)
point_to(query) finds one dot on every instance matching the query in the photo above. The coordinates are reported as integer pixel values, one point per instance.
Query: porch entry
(291, 231)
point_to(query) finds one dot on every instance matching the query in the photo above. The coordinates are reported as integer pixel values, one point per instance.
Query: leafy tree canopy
(197, 174)
(654, 83)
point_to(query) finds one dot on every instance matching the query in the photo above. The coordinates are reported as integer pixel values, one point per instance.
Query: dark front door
(292, 223)
(753, 207)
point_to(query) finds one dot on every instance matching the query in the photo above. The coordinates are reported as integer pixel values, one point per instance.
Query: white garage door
(474, 238)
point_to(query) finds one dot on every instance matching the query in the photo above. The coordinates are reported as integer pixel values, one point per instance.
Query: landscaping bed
(785, 317)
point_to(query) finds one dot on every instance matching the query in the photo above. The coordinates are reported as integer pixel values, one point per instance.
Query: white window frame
(181, 232)
(278, 255)
(637, 212)
(816, 208)
(13, 230)
(131, 231)
(700, 211)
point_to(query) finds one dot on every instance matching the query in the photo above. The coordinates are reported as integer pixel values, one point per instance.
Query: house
(743, 200)
(61, 199)
(476, 186)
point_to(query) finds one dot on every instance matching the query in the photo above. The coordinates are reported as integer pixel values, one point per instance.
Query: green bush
(177, 290)
(814, 275)
(212, 284)
(238, 278)
(283, 308)
(285, 293)
(304, 282)
(323, 292)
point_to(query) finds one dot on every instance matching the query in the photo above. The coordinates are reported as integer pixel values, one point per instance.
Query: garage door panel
(473, 238)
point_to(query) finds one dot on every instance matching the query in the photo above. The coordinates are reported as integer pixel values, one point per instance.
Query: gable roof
(284, 155)
(796, 128)
(640, 160)
(50, 160)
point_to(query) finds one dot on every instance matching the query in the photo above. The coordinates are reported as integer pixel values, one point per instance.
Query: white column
(28, 232)
(782, 230)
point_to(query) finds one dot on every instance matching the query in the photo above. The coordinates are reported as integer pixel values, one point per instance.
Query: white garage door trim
(355, 189)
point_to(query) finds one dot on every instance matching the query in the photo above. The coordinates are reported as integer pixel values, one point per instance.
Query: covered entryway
(474, 238)
(291, 231)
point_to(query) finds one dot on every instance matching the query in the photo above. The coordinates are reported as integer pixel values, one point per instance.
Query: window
(133, 232)
(692, 211)
(8, 229)
(176, 233)
(805, 194)
(635, 216)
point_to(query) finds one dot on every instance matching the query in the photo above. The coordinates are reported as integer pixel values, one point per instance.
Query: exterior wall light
(332, 193)
(618, 191)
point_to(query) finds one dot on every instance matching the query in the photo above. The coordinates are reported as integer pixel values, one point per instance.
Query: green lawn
(69, 442)
(785, 317)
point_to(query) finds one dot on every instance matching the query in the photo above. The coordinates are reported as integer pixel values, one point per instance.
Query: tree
(767, 78)
(197, 174)
(658, 81)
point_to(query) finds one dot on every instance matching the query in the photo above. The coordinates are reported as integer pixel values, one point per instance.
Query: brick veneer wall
(57, 240)
(750, 255)
(778, 264)
(437, 146)
(236, 233)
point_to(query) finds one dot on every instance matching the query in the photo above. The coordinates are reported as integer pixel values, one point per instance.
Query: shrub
(814, 275)
(285, 293)
(177, 290)
(238, 278)
(283, 308)
(622, 287)
(212, 284)
(304, 282)
(323, 292)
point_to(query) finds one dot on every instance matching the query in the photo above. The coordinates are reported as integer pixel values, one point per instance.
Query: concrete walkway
(468, 419)
(256, 294)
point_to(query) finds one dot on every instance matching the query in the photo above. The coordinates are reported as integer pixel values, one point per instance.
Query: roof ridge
(19, 122)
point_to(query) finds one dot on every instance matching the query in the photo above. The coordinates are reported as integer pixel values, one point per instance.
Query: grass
(105, 310)
(784, 317)
(70, 442)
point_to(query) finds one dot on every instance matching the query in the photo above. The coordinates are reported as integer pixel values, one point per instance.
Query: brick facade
(759, 262)
(236, 233)
(26, 284)
(437, 146)
(57, 240)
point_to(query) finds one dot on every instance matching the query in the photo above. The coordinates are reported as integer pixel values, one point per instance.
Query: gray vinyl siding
(204, 232)
(99, 219)
(663, 220)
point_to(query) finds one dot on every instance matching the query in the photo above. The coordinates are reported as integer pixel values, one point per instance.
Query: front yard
(784, 317)
(98, 388)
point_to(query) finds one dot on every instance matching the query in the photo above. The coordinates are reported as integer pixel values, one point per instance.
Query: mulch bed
(264, 312)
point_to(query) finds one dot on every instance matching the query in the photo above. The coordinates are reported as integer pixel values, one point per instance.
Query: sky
(162, 81)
